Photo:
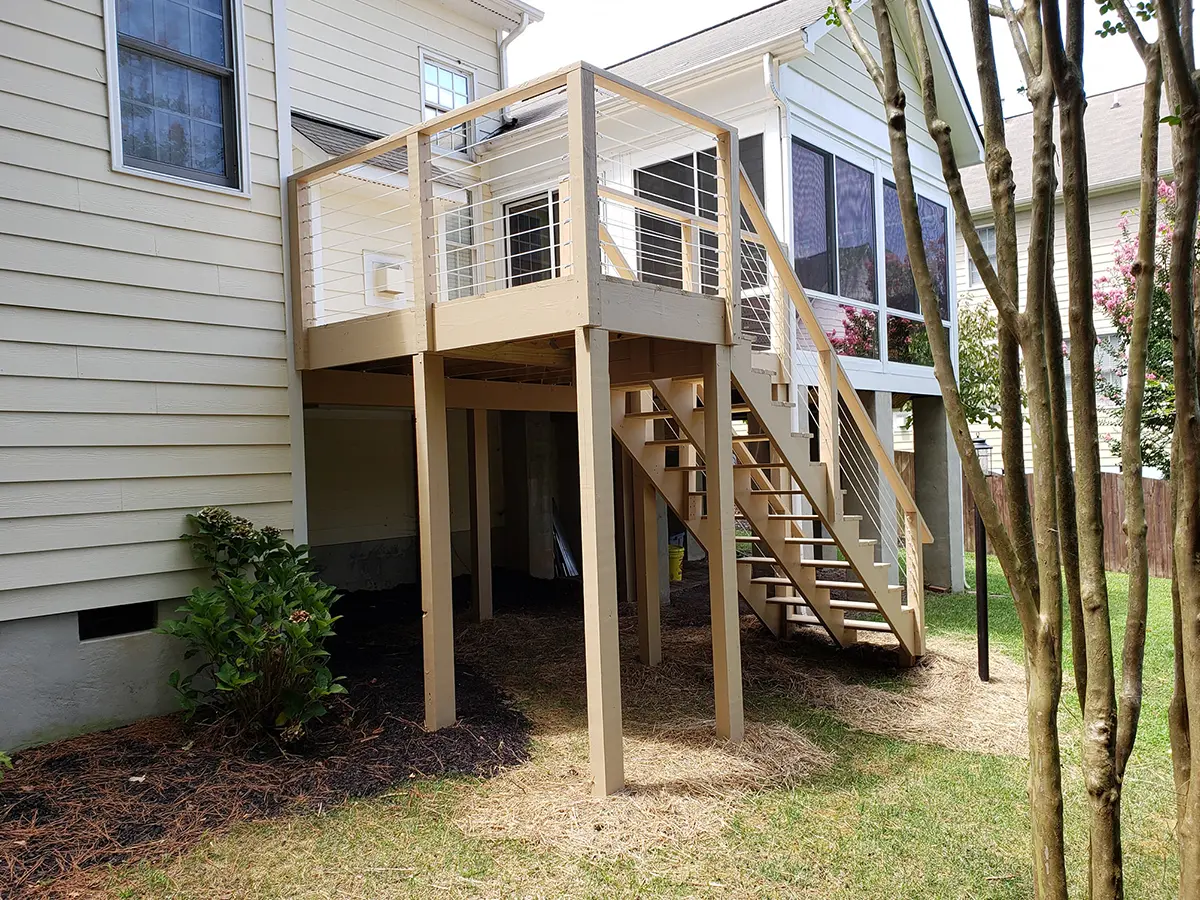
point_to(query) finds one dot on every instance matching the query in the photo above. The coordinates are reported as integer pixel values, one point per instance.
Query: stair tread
(854, 605)
(668, 442)
(650, 414)
(841, 585)
(795, 517)
(825, 563)
(866, 625)
(758, 465)
(765, 560)
(770, 579)
(797, 491)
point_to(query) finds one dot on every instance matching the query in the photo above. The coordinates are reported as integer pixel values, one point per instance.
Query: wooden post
(433, 507)
(729, 232)
(303, 274)
(481, 514)
(915, 577)
(827, 426)
(722, 550)
(594, 404)
(687, 247)
(645, 526)
(581, 241)
(423, 220)
(623, 469)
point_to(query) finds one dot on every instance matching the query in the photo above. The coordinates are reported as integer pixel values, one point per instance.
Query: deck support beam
(649, 602)
(479, 464)
(433, 506)
(722, 550)
(599, 561)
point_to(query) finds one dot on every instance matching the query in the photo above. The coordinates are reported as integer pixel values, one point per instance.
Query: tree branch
(1132, 28)
(1018, 39)
(864, 52)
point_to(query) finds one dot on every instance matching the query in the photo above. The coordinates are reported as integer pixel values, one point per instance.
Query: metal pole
(981, 595)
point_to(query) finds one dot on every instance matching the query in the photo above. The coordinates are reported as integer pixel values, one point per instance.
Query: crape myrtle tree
(1056, 541)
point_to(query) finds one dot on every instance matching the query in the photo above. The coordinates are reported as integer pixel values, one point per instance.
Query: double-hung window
(177, 96)
(446, 88)
(987, 237)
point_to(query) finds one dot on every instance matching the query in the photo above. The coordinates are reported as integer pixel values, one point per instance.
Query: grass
(889, 818)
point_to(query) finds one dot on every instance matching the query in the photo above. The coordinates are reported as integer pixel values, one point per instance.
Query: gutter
(503, 43)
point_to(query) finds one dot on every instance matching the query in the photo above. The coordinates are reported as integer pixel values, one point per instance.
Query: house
(1113, 131)
(242, 300)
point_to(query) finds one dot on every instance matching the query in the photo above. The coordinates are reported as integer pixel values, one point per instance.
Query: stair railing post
(915, 577)
(729, 233)
(580, 230)
(827, 427)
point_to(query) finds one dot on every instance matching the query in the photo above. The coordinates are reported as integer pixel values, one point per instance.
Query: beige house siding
(357, 61)
(1107, 210)
(143, 365)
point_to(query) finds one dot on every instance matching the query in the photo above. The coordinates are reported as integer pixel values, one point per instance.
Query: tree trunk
(1043, 674)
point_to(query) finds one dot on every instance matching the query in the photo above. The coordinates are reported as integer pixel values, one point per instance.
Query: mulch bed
(154, 788)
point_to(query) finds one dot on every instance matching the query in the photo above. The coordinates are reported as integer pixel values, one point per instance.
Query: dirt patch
(154, 788)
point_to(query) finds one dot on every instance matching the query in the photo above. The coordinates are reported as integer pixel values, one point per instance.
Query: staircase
(806, 563)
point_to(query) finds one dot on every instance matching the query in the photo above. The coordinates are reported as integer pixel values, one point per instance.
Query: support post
(827, 428)
(422, 217)
(649, 604)
(914, 569)
(601, 643)
(479, 464)
(729, 232)
(433, 508)
(581, 228)
(722, 549)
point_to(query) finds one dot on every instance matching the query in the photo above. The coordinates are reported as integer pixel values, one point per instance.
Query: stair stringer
(679, 399)
(755, 388)
(673, 486)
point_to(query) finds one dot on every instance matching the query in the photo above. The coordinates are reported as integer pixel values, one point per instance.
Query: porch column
(433, 508)
(598, 532)
(481, 514)
(722, 552)
(649, 604)
(938, 477)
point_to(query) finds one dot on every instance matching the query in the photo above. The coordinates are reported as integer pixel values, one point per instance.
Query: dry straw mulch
(683, 784)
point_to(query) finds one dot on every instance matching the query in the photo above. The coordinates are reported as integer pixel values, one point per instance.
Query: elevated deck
(608, 257)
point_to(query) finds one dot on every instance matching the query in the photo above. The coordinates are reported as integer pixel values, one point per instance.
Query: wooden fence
(1158, 516)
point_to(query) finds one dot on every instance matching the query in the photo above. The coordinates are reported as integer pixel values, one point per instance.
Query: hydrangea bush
(260, 629)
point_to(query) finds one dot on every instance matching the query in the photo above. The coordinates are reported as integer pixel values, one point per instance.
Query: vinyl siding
(1107, 210)
(143, 367)
(356, 61)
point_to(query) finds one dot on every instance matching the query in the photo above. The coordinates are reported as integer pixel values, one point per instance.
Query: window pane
(446, 99)
(897, 269)
(933, 230)
(137, 76)
(444, 78)
(171, 25)
(137, 130)
(208, 37)
(170, 86)
(660, 241)
(810, 217)
(908, 341)
(855, 332)
(530, 242)
(430, 74)
(205, 97)
(172, 138)
(856, 232)
(136, 18)
(672, 183)
(460, 85)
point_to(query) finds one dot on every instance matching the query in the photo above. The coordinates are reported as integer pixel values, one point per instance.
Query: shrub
(5, 763)
(261, 628)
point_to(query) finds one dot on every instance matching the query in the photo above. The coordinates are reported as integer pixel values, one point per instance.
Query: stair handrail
(799, 299)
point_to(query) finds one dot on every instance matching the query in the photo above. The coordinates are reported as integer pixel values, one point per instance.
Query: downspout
(503, 44)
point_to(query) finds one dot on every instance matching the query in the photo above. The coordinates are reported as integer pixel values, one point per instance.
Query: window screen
(812, 210)
(856, 232)
(176, 82)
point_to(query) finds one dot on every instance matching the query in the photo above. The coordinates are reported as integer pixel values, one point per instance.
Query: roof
(505, 14)
(1113, 131)
(337, 139)
(763, 26)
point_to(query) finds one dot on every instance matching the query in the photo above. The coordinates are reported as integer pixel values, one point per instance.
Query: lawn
(886, 818)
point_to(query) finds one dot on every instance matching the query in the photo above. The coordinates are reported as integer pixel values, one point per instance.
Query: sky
(605, 33)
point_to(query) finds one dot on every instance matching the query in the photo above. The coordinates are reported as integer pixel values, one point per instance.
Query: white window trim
(241, 114)
(974, 279)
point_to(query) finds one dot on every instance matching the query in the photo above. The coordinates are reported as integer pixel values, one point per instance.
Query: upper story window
(446, 88)
(987, 237)
(177, 91)
(901, 289)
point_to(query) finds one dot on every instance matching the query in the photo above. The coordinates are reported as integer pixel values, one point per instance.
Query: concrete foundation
(938, 476)
(53, 685)
(382, 564)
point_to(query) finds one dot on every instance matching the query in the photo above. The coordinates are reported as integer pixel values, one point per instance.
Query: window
(176, 101)
(856, 232)
(901, 290)
(688, 184)
(533, 239)
(812, 217)
(460, 252)
(110, 621)
(987, 237)
(446, 88)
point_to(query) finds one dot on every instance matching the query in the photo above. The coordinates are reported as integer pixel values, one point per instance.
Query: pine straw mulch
(683, 784)
(151, 790)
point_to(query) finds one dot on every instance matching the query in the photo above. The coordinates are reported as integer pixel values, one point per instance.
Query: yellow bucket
(676, 556)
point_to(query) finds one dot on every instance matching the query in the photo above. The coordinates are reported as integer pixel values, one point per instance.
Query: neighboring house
(1113, 131)
(148, 349)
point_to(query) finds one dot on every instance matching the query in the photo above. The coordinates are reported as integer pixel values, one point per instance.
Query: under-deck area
(605, 256)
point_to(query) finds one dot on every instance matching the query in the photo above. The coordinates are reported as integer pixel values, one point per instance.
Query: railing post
(424, 255)
(583, 226)
(915, 577)
(729, 232)
(827, 426)
(687, 247)
(302, 288)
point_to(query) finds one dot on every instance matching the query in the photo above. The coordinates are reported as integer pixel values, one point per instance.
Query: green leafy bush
(261, 628)
(5, 763)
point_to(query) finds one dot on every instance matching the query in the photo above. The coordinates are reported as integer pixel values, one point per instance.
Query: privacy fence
(1158, 516)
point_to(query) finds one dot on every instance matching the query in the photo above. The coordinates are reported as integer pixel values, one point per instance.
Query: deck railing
(596, 178)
